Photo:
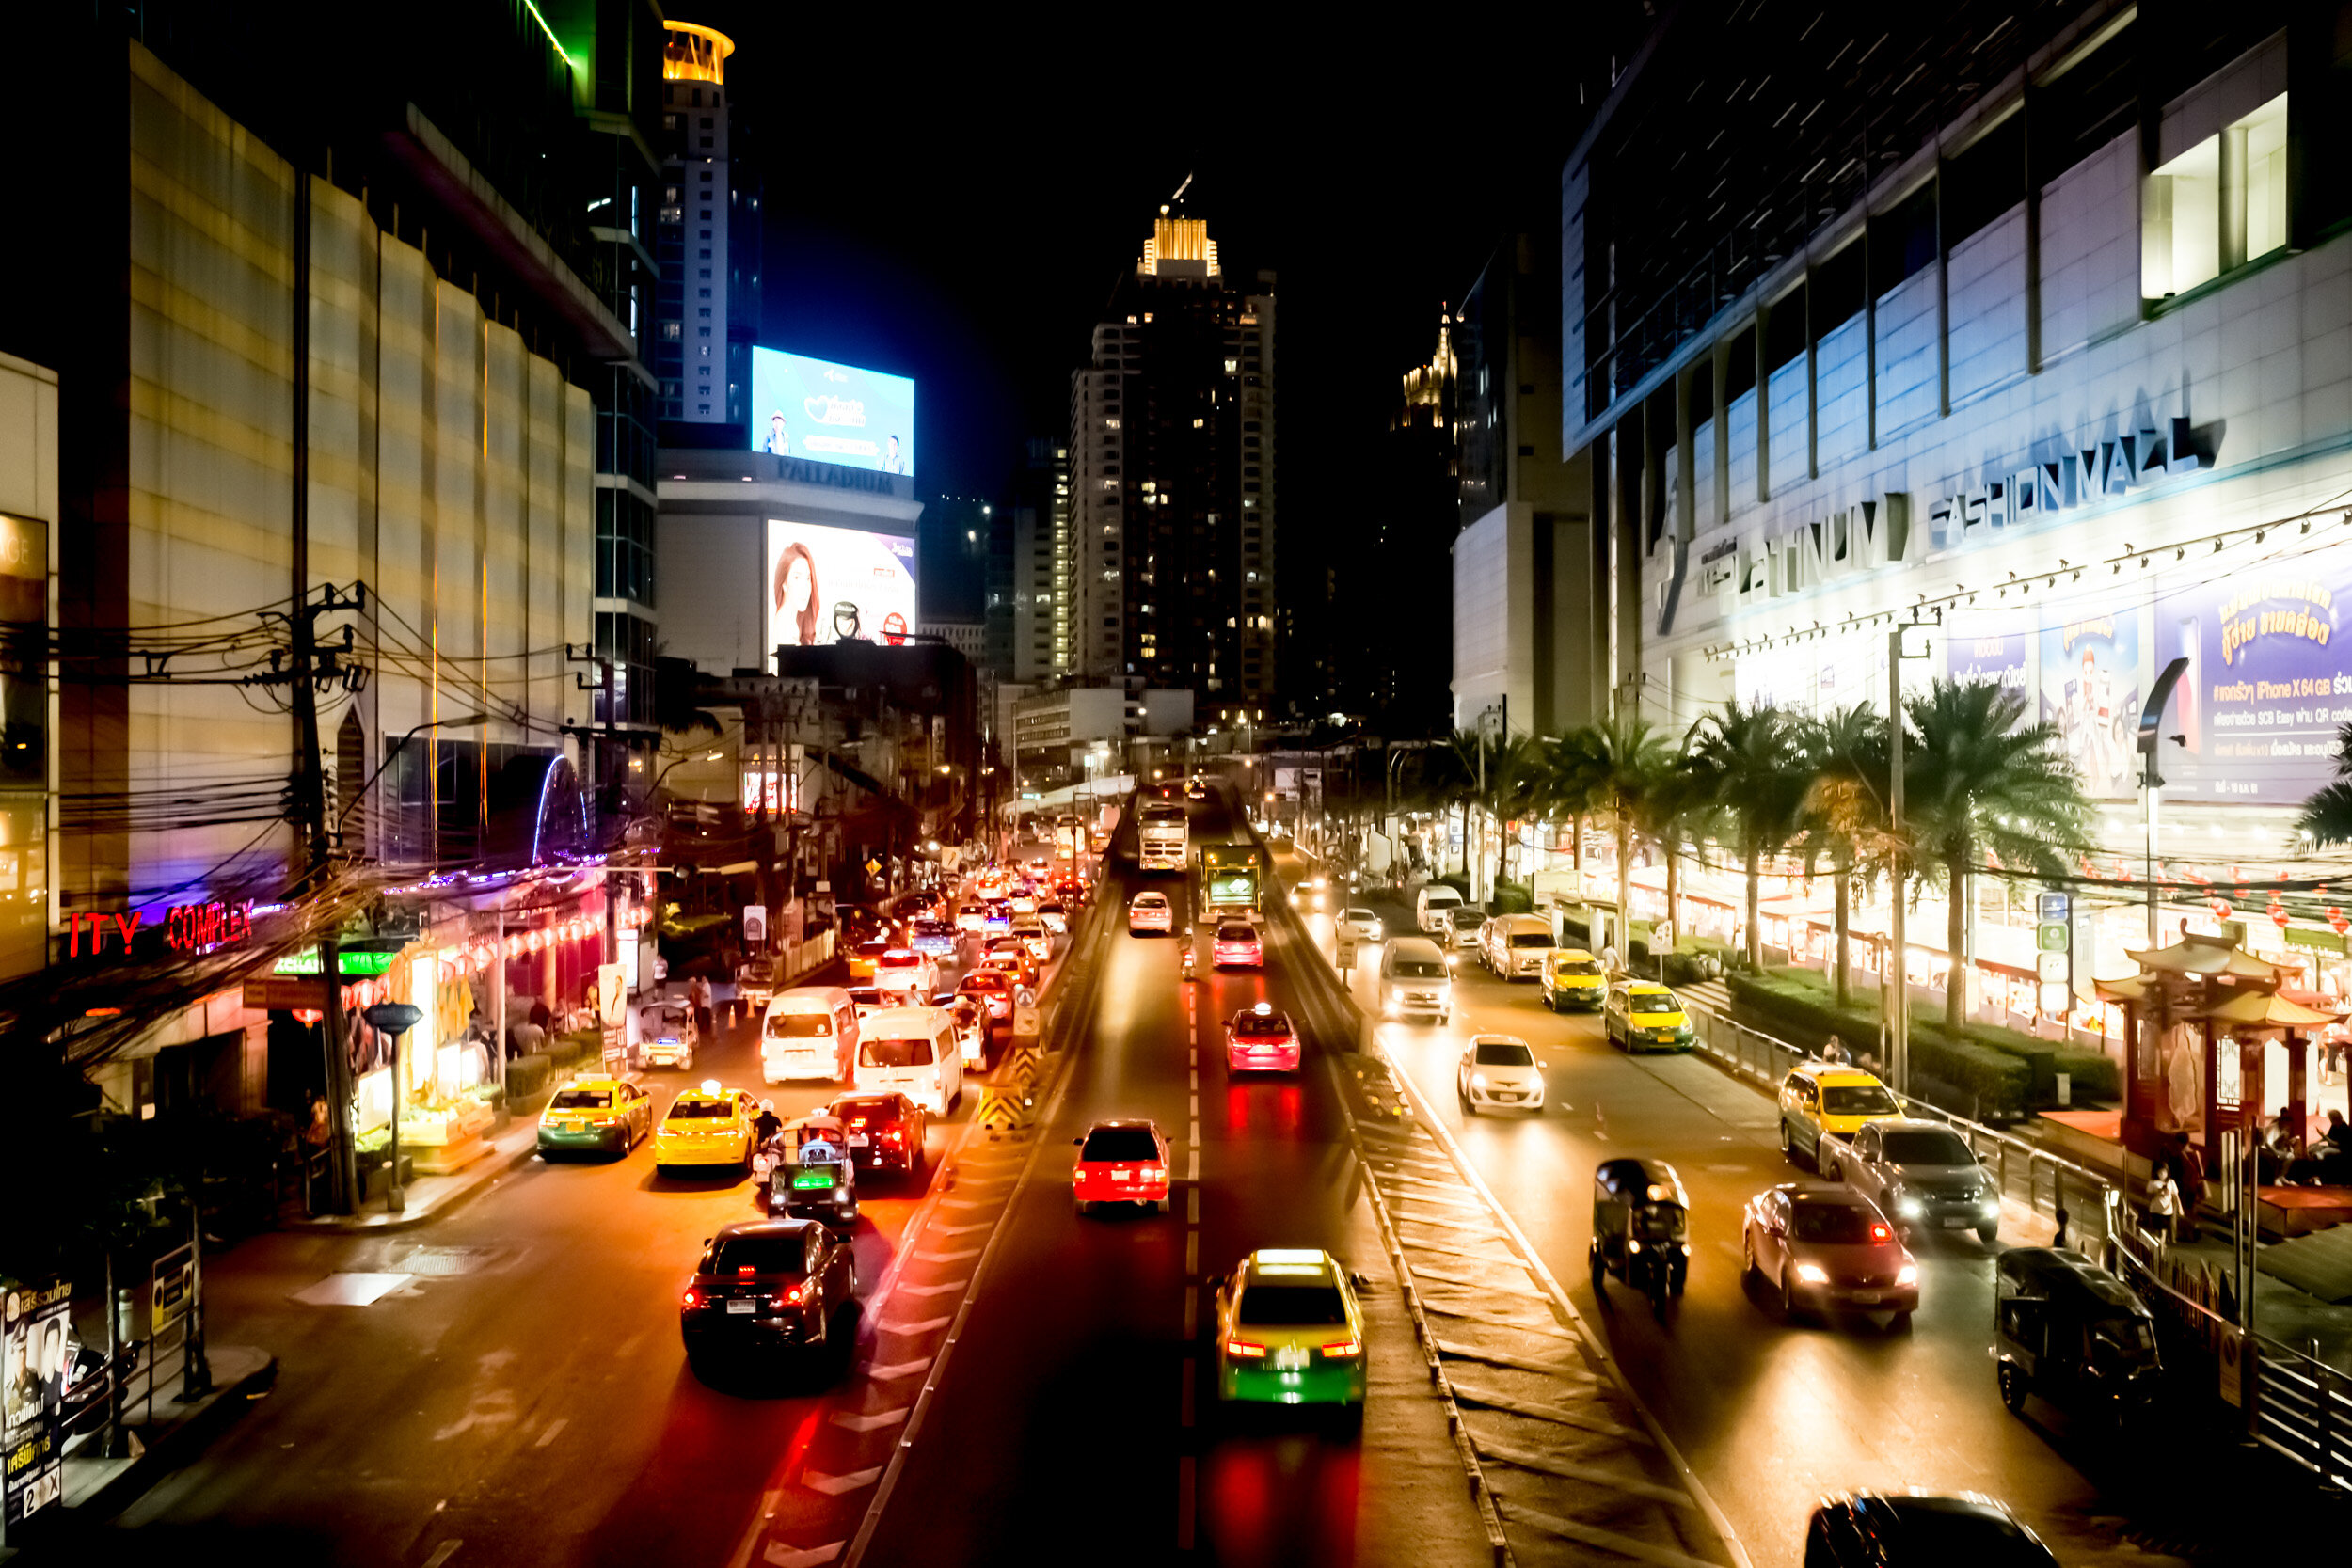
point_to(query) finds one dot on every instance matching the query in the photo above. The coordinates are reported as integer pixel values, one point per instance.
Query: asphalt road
(1774, 1415)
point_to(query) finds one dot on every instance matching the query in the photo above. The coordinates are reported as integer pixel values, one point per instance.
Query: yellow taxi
(864, 958)
(1642, 1014)
(1572, 977)
(1822, 1097)
(1290, 1330)
(706, 1126)
(596, 1116)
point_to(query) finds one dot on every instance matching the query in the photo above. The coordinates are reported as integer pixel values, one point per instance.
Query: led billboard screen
(827, 413)
(837, 585)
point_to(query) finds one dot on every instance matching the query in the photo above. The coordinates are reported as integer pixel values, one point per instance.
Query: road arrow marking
(933, 1290)
(781, 1556)
(949, 1256)
(869, 1423)
(833, 1486)
(896, 1369)
(923, 1327)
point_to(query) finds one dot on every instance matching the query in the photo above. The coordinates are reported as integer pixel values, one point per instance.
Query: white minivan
(912, 1052)
(1415, 978)
(809, 1032)
(1430, 908)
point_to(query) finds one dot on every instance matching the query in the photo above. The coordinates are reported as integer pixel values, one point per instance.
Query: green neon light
(361, 963)
(553, 42)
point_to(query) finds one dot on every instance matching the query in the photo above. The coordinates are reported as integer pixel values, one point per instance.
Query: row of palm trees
(1752, 783)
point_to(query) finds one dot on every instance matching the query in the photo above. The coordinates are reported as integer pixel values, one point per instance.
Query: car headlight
(1991, 1206)
(1907, 1274)
(1478, 1080)
(1906, 1206)
(1812, 1273)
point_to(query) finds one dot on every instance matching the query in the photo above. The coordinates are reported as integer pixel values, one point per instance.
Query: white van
(809, 1032)
(1516, 945)
(1416, 978)
(912, 1052)
(1430, 909)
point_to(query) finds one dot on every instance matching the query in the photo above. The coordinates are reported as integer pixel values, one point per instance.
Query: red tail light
(1881, 1235)
(794, 1295)
(1343, 1347)
(1241, 1347)
(1152, 1173)
(691, 1299)
(746, 1269)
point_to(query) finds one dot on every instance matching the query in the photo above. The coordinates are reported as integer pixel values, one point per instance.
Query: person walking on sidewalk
(698, 996)
(2164, 1202)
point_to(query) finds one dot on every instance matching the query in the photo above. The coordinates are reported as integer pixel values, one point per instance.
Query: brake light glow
(1242, 1347)
(1881, 1235)
(691, 1299)
(1151, 1173)
(793, 1296)
(1337, 1347)
(746, 1269)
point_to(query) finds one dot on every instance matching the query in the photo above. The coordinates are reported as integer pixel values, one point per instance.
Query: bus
(1232, 878)
(1160, 836)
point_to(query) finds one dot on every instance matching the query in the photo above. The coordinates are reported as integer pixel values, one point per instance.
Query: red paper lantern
(2335, 918)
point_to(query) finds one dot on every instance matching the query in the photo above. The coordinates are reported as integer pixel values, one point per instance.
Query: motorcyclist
(766, 1125)
(1188, 962)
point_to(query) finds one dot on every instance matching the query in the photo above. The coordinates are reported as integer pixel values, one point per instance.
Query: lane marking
(1192, 1313)
(443, 1552)
(896, 1369)
(923, 1327)
(1195, 1084)
(874, 1422)
(1184, 1483)
(833, 1486)
(1185, 1399)
(949, 1256)
(759, 1527)
(1192, 1252)
(556, 1429)
(1192, 1129)
(1192, 1207)
(1192, 1165)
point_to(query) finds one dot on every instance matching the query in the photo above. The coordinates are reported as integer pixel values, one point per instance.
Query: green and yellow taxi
(1571, 978)
(1289, 1331)
(595, 1115)
(1827, 1097)
(706, 1126)
(1643, 1015)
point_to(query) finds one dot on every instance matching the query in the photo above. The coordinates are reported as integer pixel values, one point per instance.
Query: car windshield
(799, 1026)
(873, 949)
(1837, 1223)
(1464, 919)
(1532, 939)
(759, 1254)
(1361, 914)
(1419, 969)
(1576, 966)
(1120, 1143)
(1235, 933)
(1653, 1002)
(1285, 1305)
(1262, 1024)
(902, 960)
(697, 1107)
(2121, 1340)
(1857, 1099)
(1150, 901)
(984, 979)
(890, 1052)
(1928, 1147)
(582, 1100)
(1504, 1054)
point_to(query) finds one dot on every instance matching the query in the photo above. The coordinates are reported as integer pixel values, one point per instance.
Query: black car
(1915, 1531)
(885, 1132)
(769, 1287)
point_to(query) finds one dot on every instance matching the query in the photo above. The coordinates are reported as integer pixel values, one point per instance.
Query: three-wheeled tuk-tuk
(810, 1175)
(2071, 1332)
(1640, 1228)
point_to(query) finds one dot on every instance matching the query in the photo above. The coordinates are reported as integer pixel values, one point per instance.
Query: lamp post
(395, 1019)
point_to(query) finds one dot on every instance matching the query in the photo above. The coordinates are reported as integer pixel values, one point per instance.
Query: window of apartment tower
(2217, 206)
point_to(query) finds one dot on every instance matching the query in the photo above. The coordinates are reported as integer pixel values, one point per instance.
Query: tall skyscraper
(1172, 469)
(1384, 664)
(706, 237)
(1036, 541)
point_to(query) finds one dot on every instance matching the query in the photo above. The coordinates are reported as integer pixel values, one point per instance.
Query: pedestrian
(528, 1037)
(541, 1014)
(2164, 1202)
(1835, 1050)
(698, 996)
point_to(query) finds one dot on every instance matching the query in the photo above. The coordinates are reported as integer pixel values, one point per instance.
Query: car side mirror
(1359, 1280)
(1077, 1143)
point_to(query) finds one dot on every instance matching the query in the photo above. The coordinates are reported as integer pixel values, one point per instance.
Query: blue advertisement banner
(827, 413)
(1990, 658)
(2268, 683)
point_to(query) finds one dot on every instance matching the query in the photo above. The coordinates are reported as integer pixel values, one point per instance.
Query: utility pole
(1898, 1008)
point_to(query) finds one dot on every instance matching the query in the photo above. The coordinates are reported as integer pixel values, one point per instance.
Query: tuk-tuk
(2071, 1332)
(1640, 1228)
(810, 1174)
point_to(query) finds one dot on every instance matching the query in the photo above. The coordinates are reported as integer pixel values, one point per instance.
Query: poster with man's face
(33, 1373)
(837, 585)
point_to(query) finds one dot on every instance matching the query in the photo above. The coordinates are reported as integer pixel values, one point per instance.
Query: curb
(181, 1442)
(356, 1225)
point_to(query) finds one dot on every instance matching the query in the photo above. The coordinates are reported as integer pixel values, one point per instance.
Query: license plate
(743, 1308)
(858, 1140)
(1289, 1356)
(1866, 1298)
(1957, 1222)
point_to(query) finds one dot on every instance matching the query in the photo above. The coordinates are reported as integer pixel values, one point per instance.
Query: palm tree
(1844, 814)
(1516, 778)
(2327, 817)
(1982, 782)
(1629, 766)
(1749, 759)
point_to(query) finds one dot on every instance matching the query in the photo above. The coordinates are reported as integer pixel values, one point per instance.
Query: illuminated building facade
(707, 238)
(1172, 465)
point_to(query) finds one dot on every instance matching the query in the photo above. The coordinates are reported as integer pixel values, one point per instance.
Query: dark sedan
(885, 1132)
(765, 1288)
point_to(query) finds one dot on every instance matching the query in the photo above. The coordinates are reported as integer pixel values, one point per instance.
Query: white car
(1362, 924)
(905, 971)
(1498, 1071)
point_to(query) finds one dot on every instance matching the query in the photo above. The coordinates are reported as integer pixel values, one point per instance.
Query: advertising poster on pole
(2268, 685)
(33, 1371)
(2093, 673)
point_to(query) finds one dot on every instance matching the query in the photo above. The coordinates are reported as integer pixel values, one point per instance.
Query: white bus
(1160, 834)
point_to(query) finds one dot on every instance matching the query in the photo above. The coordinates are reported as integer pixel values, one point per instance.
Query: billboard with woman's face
(837, 585)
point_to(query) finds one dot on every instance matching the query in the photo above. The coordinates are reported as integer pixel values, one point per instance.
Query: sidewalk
(161, 1439)
(428, 1197)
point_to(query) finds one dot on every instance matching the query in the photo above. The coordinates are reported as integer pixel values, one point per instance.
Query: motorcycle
(1190, 969)
(1641, 1229)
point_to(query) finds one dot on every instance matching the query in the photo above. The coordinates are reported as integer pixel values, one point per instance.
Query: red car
(1258, 1039)
(1237, 947)
(1121, 1162)
(992, 990)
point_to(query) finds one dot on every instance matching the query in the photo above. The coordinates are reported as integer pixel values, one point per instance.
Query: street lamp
(463, 722)
(395, 1019)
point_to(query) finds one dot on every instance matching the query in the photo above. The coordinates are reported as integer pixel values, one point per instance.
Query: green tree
(1629, 768)
(1980, 782)
(2327, 817)
(1844, 814)
(1753, 782)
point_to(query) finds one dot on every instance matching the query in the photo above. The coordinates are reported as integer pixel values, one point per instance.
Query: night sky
(954, 205)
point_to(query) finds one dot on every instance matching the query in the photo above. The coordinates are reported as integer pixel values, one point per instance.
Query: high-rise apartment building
(1036, 612)
(707, 238)
(1172, 481)
(1383, 668)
